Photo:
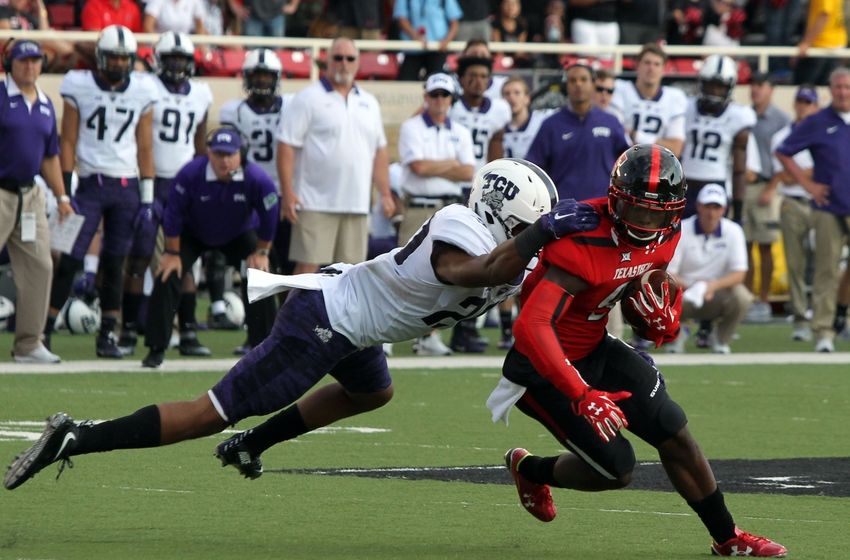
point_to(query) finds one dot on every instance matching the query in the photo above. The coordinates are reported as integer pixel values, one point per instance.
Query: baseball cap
(440, 81)
(761, 78)
(806, 93)
(25, 49)
(712, 193)
(225, 140)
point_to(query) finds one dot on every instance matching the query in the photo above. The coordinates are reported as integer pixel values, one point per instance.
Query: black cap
(761, 78)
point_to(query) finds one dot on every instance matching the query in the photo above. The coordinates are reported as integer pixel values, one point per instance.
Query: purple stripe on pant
(300, 350)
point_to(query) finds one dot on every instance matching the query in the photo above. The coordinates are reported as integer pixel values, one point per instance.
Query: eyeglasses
(439, 93)
(347, 58)
(608, 90)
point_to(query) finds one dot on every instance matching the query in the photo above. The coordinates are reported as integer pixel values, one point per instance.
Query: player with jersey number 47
(585, 386)
(462, 261)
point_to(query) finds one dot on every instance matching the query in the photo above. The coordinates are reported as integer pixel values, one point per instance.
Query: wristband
(172, 252)
(146, 190)
(67, 177)
(529, 242)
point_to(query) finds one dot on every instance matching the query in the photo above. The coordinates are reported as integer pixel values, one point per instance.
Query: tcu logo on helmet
(497, 189)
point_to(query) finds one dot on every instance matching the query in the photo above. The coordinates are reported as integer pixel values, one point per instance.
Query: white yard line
(450, 362)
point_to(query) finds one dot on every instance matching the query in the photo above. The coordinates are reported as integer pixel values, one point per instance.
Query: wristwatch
(65, 198)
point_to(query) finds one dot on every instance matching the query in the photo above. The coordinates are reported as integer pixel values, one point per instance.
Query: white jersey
(397, 296)
(662, 116)
(176, 117)
(106, 141)
(257, 129)
(516, 141)
(483, 122)
(707, 155)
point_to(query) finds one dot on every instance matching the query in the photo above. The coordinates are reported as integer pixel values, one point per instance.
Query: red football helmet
(647, 194)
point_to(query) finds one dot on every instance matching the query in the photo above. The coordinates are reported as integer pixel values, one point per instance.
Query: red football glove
(661, 316)
(601, 411)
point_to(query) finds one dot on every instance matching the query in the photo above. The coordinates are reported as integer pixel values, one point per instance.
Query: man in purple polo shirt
(30, 145)
(826, 135)
(218, 203)
(577, 146)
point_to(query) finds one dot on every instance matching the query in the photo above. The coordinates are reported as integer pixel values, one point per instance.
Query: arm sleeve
(801, 137)
(537, 151)
(465, 153)
(409, 145)
(175, 210)
(738, 249)
(537, 338)
(297, 121)
(51, 148)
(676, 127)
(68, 88)
(267, 205)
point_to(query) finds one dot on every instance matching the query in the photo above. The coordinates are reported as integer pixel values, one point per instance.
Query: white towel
(503, 398)
(696, 294)
(264, 284)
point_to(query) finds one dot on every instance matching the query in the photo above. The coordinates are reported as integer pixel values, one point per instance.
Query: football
(649, 280)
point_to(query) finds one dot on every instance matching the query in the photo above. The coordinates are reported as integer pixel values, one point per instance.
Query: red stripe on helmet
(654, 169)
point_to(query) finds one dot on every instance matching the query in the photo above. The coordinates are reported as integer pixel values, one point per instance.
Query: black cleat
(154, 358)
(127, 342)
(106, 346)
(233, 451)
(191, 346)
(56, 443)
(220, 322)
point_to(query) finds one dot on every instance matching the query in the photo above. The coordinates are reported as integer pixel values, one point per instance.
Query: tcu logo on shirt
(601, 131)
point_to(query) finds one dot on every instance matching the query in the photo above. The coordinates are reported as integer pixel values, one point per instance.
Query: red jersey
(606, 266)
(98, 14)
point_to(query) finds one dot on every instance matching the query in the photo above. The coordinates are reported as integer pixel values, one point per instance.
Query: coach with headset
(29, 144)
(218, 203)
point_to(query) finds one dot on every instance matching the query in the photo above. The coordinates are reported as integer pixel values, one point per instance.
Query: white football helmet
(716, 69)
(259, 62)
(7, 310)
(81, 318)
(115, 40)
(510, 192)
(174, 55)
(234, 309)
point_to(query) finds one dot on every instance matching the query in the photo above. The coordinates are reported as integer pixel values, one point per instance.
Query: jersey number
(652, 124)
(171, 126)
(479, 138)
(608, 303)
(97, 121)
(704, 148)
(262, 141)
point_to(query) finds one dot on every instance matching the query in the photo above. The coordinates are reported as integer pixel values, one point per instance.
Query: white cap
(440, 81)
(712, 193)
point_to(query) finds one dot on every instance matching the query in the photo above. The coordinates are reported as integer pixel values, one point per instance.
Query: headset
(7, 51)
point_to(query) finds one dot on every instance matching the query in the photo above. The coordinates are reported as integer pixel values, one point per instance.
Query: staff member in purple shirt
(826, 135)
(29, 145)
(577, 146)
(215, 202)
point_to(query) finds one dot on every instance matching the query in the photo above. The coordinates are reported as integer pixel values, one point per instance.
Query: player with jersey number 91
(107, 136)
(453, 268)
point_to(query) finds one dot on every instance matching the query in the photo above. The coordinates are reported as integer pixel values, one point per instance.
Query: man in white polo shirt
(331, 148)
(437, 158)
(710, 263)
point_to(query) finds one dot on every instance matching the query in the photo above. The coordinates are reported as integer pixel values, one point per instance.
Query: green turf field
(177, 502)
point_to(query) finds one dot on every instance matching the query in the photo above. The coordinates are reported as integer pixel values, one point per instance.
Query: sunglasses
(439, 94)
(347, 58)
(608, 90)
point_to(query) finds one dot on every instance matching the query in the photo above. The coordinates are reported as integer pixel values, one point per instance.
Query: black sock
(107, 325)
(840, 310)
(130, 310)
(506, 321)
(138, 430)
(540, 470)
(282, 426)
(186, 311)
(715, 516)
(50, 325)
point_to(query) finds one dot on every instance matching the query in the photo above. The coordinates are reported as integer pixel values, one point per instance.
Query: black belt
(432, 201)
(803, 199)
(13, 185)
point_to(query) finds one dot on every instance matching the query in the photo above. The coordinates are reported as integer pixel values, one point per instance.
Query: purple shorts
(301, 349)
(114, 199)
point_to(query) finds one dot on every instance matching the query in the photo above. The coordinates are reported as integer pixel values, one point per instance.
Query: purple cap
(25, 49)
(225, 140)
(806, 93)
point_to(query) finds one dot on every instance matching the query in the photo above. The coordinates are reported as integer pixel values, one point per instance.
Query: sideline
(414, 362)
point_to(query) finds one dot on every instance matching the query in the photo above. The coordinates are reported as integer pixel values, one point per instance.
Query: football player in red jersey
(584, 385)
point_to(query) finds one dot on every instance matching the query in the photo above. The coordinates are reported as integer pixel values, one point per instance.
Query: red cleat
(535, 498)
(747, 544)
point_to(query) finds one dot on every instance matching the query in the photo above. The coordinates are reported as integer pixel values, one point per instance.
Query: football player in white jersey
(485, 118)
(524, 124)
(179, 133)
(480, 49)
(651, 113)
(462, 261)
(717, 132)
(257, 118)
(106, 134)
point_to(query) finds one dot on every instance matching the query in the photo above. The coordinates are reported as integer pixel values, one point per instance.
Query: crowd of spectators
(597, 22)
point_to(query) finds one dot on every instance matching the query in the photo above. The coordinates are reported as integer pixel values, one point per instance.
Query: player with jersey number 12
(460, 262)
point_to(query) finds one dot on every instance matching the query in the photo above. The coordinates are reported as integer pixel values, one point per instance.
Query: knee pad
(63, 280)
(113, 276)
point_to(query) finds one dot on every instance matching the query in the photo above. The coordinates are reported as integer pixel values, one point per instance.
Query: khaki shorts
(328, 237)
(761, 223)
